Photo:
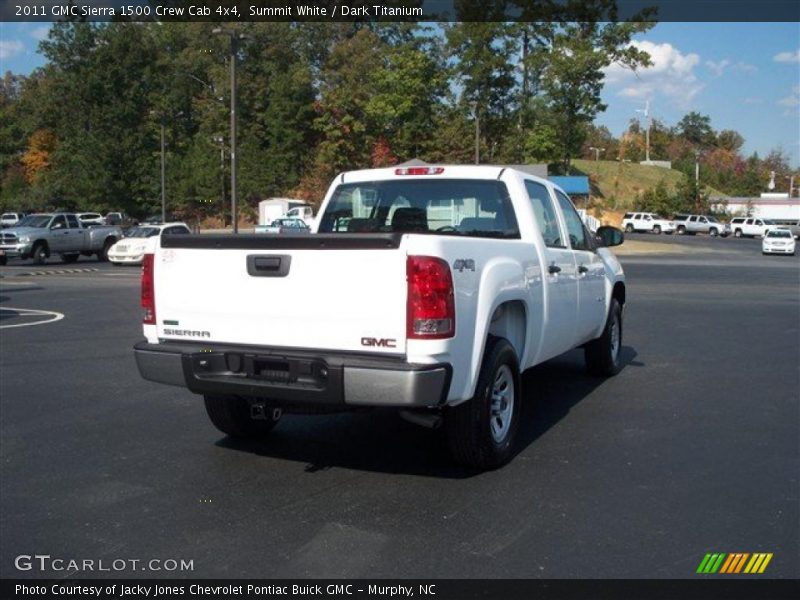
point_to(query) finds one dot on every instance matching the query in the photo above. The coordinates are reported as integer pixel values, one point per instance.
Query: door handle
(553, 269)
(583, 269)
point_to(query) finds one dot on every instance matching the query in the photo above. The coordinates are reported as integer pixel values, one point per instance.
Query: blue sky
(745, 76)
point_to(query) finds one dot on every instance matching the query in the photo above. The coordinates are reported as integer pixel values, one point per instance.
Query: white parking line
(29, 312)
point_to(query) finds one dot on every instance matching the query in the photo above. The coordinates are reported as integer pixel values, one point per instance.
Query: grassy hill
(619, 183)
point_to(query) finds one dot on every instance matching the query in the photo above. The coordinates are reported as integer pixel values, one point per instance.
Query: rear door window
(545, 214)
(578, 238)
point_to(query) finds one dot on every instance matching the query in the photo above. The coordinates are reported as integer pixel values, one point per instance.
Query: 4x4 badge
(464, 264)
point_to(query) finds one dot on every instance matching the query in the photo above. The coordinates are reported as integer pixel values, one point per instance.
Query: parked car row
(683, 224)
(40, 236)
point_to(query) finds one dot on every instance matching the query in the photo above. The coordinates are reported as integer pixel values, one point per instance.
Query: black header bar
(241, 11)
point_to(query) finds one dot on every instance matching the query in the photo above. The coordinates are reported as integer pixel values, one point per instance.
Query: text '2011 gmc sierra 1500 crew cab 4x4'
(427, 289)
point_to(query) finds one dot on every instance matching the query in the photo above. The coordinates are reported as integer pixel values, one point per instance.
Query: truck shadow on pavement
(379, 440)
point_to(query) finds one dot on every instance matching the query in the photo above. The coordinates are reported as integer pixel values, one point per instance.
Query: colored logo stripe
(758, 563)
(711, 563)
(734, 562)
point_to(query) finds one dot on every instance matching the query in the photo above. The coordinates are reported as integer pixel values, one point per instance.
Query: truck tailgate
(314, 292)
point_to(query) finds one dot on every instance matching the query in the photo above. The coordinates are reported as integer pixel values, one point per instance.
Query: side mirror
(609, 236)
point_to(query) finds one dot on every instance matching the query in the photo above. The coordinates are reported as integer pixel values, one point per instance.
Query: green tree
(696, 128)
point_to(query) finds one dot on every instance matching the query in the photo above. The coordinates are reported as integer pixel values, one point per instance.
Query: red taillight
(431, 311)
(419, 171)
(148, 291)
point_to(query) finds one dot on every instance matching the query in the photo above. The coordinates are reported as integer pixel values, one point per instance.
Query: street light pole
(597, 152)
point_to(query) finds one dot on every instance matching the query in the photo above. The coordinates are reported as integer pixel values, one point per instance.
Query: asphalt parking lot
(693, 448)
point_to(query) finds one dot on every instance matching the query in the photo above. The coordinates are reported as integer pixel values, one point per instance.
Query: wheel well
(110, 240)
(42, 243)
(618, 293)
(509, 322)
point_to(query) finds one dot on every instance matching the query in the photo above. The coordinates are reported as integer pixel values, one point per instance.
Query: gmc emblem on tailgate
(380, 342)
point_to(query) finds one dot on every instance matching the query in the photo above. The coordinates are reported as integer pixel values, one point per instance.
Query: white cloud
(745, 68)
(39, 33)
(791, 101)
(9, 48)
(787, 57)
(672, 75)
(725, 64)
(718, 67)
(753, 100)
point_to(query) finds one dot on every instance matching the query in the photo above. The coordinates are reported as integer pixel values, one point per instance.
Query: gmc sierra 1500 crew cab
(427, 289)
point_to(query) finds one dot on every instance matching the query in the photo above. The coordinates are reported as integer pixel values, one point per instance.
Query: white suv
(645, 221)
(752, 226)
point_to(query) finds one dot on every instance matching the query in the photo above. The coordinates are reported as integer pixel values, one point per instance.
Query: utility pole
(234, 36)
(163, 176)
(221, 141)
(697, 180)
(791, 185)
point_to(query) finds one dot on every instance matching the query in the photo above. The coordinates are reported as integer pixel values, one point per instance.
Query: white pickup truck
(427, 289)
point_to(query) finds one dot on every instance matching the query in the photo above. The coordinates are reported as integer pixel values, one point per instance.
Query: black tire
(681, 230)
(657, 229)
(3, 261)
(39, 253)
(602, 357)
(102, 256)
(469, 426)
(713, 232)
(629, 228)
(70, 258)
(737, 233)
(231, 415)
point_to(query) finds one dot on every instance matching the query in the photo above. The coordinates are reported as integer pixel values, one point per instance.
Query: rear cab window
(461, 207)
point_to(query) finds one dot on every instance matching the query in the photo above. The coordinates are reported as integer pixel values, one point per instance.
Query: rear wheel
(3, 261)
(482, 431)
(629, 228)
(233, 415)
(102, 256)
(602, 354)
